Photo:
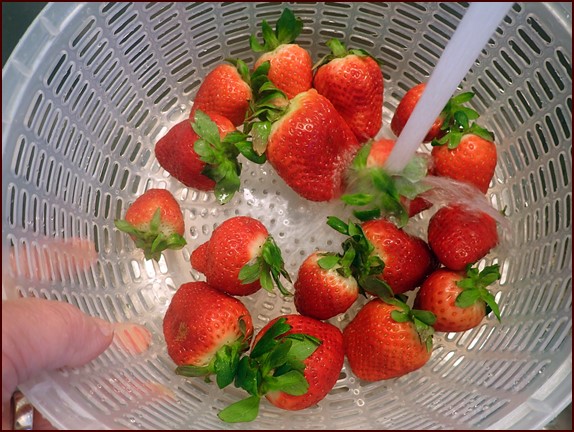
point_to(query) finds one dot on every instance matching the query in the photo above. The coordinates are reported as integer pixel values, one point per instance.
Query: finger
(42, 335)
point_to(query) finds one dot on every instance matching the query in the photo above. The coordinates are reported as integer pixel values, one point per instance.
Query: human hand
(42, 335)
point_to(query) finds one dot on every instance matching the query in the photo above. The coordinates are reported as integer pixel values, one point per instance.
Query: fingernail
(106, 327)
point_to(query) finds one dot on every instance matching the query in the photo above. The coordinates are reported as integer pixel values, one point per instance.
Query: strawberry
(464, 151)
(408, 259)
(405, 109)
(398, 196)
(386, 339)
(294, 363)
(324, 286)
(379, 254)
(291, 67)
(458, 299)
(459, 236)
(155, 223)
(310, 146)
(225, 91)
(176, 153)
(206, 331)
(353, 82)
(240, 258)
(472, 160)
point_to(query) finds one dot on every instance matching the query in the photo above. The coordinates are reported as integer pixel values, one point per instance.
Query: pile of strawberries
(315, 125)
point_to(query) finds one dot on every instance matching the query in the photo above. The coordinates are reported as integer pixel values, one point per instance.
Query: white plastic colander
(92, 87)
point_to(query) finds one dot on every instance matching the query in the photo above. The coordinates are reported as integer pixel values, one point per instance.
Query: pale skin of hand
(42, 335)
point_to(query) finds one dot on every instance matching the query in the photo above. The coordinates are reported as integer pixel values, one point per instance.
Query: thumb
(40, 335)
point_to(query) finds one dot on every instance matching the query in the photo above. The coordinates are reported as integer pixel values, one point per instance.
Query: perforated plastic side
(93, 86)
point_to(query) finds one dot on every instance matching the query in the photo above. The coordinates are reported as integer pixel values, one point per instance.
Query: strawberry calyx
(287, 29)
(219, 155)
(275, 363)
(267, 105)
(422, 320)
(151, 240)
(474, 288)
(381, 191)
(458, 121)
(224, 363)
(339, 50)
(358, 255)
(268, 268)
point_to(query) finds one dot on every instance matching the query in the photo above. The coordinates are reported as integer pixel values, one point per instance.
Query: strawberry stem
(457, 122)
(152, 241)
(474, 288)
(339, 50)
(224, 363)
(268, 268)
(383, 192)
(287, 29)
(274, 364)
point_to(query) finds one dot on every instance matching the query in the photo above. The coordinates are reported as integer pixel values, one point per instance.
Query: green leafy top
(358, 258)
(266, 107)
(422, 320)
(457, 122)
(225, 362)
(276, 363)
(339, 50)
(152, 241)
(268, 268)
(220, 156)
(287, 29)
(382, 191)
(474, 287)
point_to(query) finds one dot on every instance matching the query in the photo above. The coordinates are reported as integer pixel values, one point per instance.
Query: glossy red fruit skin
(405, 109)
(311, 147)
(176, 154)
(199, 321)
(408, 259)
(320, 293)
(233, 244)
(438, 294)
(198, 259)
(141, 211)
(223, 92)
(354, 85)
(459, 237)
(291, 68)
(322, 368)
(473, 161)
(379, 348)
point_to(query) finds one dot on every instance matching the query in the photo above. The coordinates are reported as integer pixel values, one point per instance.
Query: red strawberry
(324, 286)
(175, 151)
(459, 236)
(387, 341)
(240, 258)
(311, 146)
(458, 299)
(225, 91)
(405, 109)
(205, 331)
(353, 82)
(291, 67)
(408, 259)
(322, 368)
(472, 160)
(294, 363)
(155, 223)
